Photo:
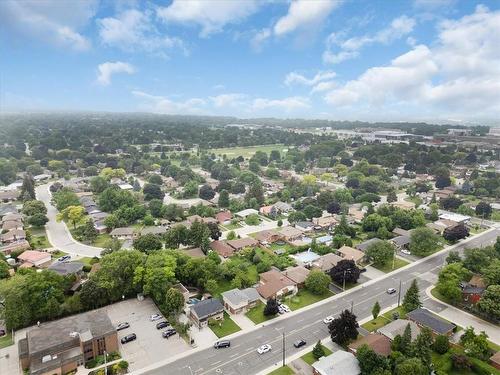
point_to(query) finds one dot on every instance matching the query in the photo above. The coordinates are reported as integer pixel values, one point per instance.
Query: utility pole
(343, 285)
(105, 363)
(399, 293)
(394, 258)
(283, 348)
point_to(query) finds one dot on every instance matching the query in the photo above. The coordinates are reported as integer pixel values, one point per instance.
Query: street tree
(455, 233)
(345, 269)
(73, 214)
(489, 302)
(423, 241)
(376, 310)
(344, 328)
(317, 282)
(271, 307)
(380, 253)
(411, 300)
(318, 350)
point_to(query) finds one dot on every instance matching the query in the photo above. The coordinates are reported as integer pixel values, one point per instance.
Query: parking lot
(150, 346)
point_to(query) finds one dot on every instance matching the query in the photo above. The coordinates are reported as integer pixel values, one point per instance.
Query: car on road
(121, 326)
(328, 319)
(128, 338)
(299, 343)
(391, 291)
(155, 317)
(264, 349)
(163, 324)
(407, 252)
(169, 332)
(64, 258)
(222, 344)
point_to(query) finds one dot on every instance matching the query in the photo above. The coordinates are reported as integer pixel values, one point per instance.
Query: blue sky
(431, 60)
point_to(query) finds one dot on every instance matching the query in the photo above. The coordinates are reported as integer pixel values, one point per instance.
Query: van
(222, 344)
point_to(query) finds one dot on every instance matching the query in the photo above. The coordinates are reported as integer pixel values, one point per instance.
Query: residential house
(240, 300)
(204, 310)
(400, 232)
(291, 233)
(439, 226)
(347, 252)
(404, 205)
(125, 186)
(224, 217)
(125, 233)
(337, 363)
(181, 288)
(268, 236)
(241, 243)
(12, 217)
(7, 208)
(11, 224)
(326, 262)
(472, 294)
(355, 215)
(283, 207)
(297, 274)
(270, 211)
(210, 220)
(9, 196)
(273, 284)
(13, 236)
(60, 346)
(306, 258)
(457, 218)
(244, 213)
(377, 342)
(443, 193)
(397, 327)
(325, 222)
(170, 183)
(195, 252)
(305, 226)
(222, 248)
(400, 242)
(495, 360)
(363, 246)
(158, 231)
(33, 258)
(14, 246)
(424, 318)
(193, 218)
(67, 268)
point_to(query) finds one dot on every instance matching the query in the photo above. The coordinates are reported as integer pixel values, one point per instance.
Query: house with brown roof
(495, 360)
(125, 233)
(291, 233)
(325, 221)
(326, 262)
(273, 284)
(33, 258)
(9, 196)
(222, 248)
(224, 217)
(13, 236)
(12, 224)
(14, 246)
(241, 243)
(268, 236)
(404, 205)
(380, 344)
(347, 252)
(297, 274)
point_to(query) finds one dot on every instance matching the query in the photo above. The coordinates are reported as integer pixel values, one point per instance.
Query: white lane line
(215, 363)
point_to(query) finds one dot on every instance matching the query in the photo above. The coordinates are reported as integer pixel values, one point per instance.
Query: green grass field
(282, 371)
(309, 357)
(40, 242)
(225, 327)
(101, 240)
(304, 298)
(383, 319)
(398, 263)
(247, 152)
(6, 341)
(256, 314)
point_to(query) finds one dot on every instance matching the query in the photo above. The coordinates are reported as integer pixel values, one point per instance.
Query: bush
(441, 344)
(460, 362)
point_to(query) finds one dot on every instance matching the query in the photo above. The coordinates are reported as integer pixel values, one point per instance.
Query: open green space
(6, 341)
(248, 152)
(40, 242)
(304, 298)
(231, 226)
(398, 263)
(309, 357)
(444, 364)
(383, 319)
(282, 371)
(224, 327)
(101, 240)
(256, 314)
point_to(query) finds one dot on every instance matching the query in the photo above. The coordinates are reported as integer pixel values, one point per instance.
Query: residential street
(242, 357)
(58, 233)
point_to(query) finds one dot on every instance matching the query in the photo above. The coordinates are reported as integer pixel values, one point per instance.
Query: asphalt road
(242, 357)
(58, 233)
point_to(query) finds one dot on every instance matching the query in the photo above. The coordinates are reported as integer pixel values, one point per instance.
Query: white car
(264, 349)
(155, 317)
(281, 310)
(328, 319)
(285, 308)
(407, 252)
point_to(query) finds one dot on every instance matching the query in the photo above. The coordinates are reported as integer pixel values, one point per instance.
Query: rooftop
(339, 362)
(427, 319)
(207, 307)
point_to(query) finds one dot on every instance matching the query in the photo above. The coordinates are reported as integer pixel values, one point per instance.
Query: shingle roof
(237, 296)
(427, 319)
(207, 307)
(397, 327)
(365, 245)
(339, 362)
(66, 268)
(380, 344)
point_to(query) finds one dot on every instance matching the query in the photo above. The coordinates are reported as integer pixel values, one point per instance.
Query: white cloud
(458, 76)
(52, 21)
(259, 38)
(107, 69)
(304, 14)
(134, 30)
(296, 78)
(324, 86)
(211, 15)
(289, 104)
(228, 100)
(161, 104)
(349, 49)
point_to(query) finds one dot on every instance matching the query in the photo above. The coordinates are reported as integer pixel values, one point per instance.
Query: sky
(382, 60)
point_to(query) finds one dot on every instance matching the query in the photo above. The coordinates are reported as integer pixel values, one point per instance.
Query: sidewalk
(465, 319)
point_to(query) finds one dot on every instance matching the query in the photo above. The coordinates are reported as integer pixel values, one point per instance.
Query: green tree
(223, 199)
(155, 207)
(64, 198)
(376, 310)
(89, 231)
(33, 207)
(148, 243)
(491, 273)
(28, 188)
(271, 307)
(73, 214)
(344, 328)
(317, 282)
(4, 269)
(423, 241)
(98, 184)
(381, 253)
(483, 209)
(453, 257)
(411, 366)
(489, 302)
(411, 300)
(152, 191)
(370, 362)
(199, 234)
(38, 220)
(174, 302)
(441, 344)
(318, 350)
(176, 236)
(421, 348)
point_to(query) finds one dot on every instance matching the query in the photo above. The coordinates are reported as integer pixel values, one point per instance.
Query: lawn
(101, 240)
(287, 247)
(444, 363)
(231, 226)
(248, 152)
(222, 286)
(224, 328)
(304, 298)
(282, 371)
(398, 263)
(86, 260)
(6, 341)
(309, 357)
(383, 319)
(58, 253)
(40, 242)
(256, 314)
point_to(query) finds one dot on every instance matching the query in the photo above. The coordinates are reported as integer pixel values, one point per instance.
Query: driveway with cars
(150, 346)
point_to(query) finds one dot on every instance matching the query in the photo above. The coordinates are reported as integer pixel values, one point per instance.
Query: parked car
(299, 343)
(328, 319)
(64, 258)
(281, 310)
(391, 291)
(285, 307)
(163, 324)
(264, 349)
(155, 317)
(222, 344)
(128, 338)
(407, 252)
(121, 326)
(169, 332)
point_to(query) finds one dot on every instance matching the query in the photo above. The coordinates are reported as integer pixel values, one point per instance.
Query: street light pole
(399, 293)
(343, 285)
(283, 348)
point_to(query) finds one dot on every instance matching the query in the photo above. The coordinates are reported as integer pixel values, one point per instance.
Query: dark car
(128, 338)
(161, 325)
(299, 343)
(121, 326)
(222, 344)
(64, 258)
(169, 332)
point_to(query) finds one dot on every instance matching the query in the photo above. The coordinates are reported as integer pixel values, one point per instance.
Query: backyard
(6, 341)
(225, 327)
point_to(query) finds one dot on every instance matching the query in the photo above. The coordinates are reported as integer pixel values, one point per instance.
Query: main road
(242, 358)
(58, 233)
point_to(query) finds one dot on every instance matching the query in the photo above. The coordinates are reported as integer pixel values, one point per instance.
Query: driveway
(58, 233)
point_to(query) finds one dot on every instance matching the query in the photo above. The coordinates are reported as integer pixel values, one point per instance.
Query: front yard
(282, 371)
(309, 357)
(256, 314)
(304, 298)
(6, 341)
(383, 319)
(225, 327)
(398, 263)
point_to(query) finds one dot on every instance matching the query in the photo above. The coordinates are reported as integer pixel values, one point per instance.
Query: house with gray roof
(401, 242)
(240, 300)
(340, 362)
(424, 318)
(363, 246)
(204, 310)
(66, 268)
(397, 327)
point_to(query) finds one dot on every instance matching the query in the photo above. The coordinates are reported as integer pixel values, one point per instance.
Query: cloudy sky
(434, 60)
